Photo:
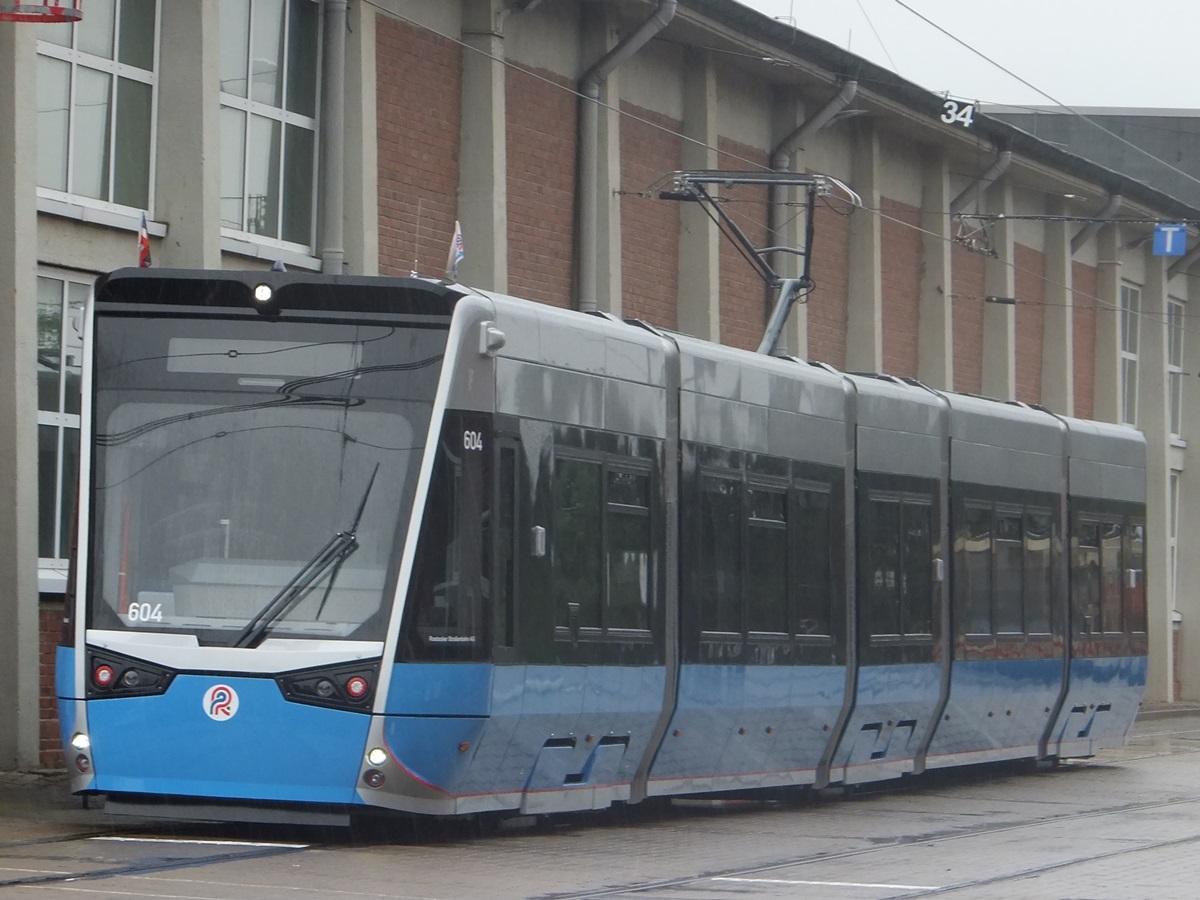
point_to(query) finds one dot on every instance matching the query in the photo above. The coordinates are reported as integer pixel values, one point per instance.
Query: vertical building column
(864, 328)
(188, 163)
(1107, 403)
(1058, 332)
(19, 669)
(788, 222)
(362, 147)
(599, 35)
(1187, 575)
(935, 336)
(1154, 422)
(699, 239)
(482, 164)
(999, 377)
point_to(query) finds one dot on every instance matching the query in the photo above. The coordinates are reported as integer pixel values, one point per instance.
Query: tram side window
(767, 563)
(812, 553)
(721, 555)
(1007, 573)
(1110, 578)
(628, 550)
(603, 565)
(577, 544)
(1038, 537)
(899, 546)
(1085, 577)
(449, 583)
(975, 570)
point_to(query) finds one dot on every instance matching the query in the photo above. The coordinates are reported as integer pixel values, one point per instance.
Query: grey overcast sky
(1080, 52)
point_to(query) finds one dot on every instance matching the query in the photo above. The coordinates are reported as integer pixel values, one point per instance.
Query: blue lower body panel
(1103, 698)
(998, 709)
(246, 742)
(894, 707)
(747, 727)
(534, 738)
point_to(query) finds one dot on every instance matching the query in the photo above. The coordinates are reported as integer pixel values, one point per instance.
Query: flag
(143, 245)
(456, 253)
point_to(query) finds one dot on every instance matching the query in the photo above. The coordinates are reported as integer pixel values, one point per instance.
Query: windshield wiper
(331, 556)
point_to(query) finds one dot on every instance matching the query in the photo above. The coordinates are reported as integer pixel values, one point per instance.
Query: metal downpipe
(1088, 231)
(333, 140)
(994, 171)
(589, 156)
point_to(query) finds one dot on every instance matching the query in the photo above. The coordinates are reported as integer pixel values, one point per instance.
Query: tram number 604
(144, 612)
(472, 440)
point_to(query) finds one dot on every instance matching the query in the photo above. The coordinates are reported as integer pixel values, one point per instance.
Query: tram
(369, 544)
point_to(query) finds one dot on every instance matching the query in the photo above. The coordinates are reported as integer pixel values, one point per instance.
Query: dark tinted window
(974, 573)
(767, 562)
(917, 552)
(1037, 572)
(1007, 573)
(812, 554)
(883, 565)
(577, 544)
(720, 554)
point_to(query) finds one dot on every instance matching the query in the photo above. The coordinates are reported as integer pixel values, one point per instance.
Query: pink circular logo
(220, 702)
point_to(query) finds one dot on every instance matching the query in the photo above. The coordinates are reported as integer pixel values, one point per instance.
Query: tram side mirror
(537, 541)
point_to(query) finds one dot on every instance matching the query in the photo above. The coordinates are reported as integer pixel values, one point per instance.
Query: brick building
(349, 136)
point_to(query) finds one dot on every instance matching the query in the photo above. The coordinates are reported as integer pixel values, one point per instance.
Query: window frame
(52, 570)
(284, 118)
(115, 70)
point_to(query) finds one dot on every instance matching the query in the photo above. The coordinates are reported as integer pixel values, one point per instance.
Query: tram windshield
(230, 454)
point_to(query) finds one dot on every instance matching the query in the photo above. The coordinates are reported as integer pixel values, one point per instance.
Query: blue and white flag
(456, 253)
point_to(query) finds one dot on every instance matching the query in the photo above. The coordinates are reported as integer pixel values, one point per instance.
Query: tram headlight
(325, 688)
(103, 676)
(131, 678)
(373, 778)
(377, 756)
(357, 687)
(81, 741)
(263, 293)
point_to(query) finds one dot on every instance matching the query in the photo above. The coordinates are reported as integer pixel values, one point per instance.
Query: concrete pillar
(19, 669)
(935, 341)
(1187, 576)
(1058, 333)
(482, 164)
(188, 163)
(1000, 319)
(599, 35)
(699, 239)
(1107, 403)
(788, 223)
(1154, 422)
(864, 328)
(362, 156)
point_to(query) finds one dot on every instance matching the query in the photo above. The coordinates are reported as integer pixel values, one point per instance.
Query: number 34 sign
(958, 112)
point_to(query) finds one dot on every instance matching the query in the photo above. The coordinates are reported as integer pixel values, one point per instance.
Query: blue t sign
(1170, 240)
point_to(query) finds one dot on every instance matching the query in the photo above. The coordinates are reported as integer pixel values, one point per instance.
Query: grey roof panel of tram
(564, 366)
(1005, 444)
(1107, 461)
(899, 427)
(759, 403)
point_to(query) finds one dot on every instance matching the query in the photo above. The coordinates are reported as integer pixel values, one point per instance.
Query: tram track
(241, 851)
(751, 873)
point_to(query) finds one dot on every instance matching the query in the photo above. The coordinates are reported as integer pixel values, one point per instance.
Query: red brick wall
(901, 277)
(541, 150)
(967, 281)
(1084, 338)
(830, 270)
(650, 147)
(50, 628)
(418, 114)
(743, 291)
(1030, 278)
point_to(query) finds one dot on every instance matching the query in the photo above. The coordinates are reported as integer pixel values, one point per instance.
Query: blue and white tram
(350, 544)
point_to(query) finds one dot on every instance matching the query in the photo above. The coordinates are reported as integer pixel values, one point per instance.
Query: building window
(1131, 310)
(61, 299)
(269, 66)
(1175, 312)
(96, 85)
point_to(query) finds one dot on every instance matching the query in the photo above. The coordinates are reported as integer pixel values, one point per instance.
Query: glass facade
(96, 86)
(269, 64)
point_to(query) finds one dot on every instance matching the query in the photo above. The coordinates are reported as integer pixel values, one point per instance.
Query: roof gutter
(589, 155)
